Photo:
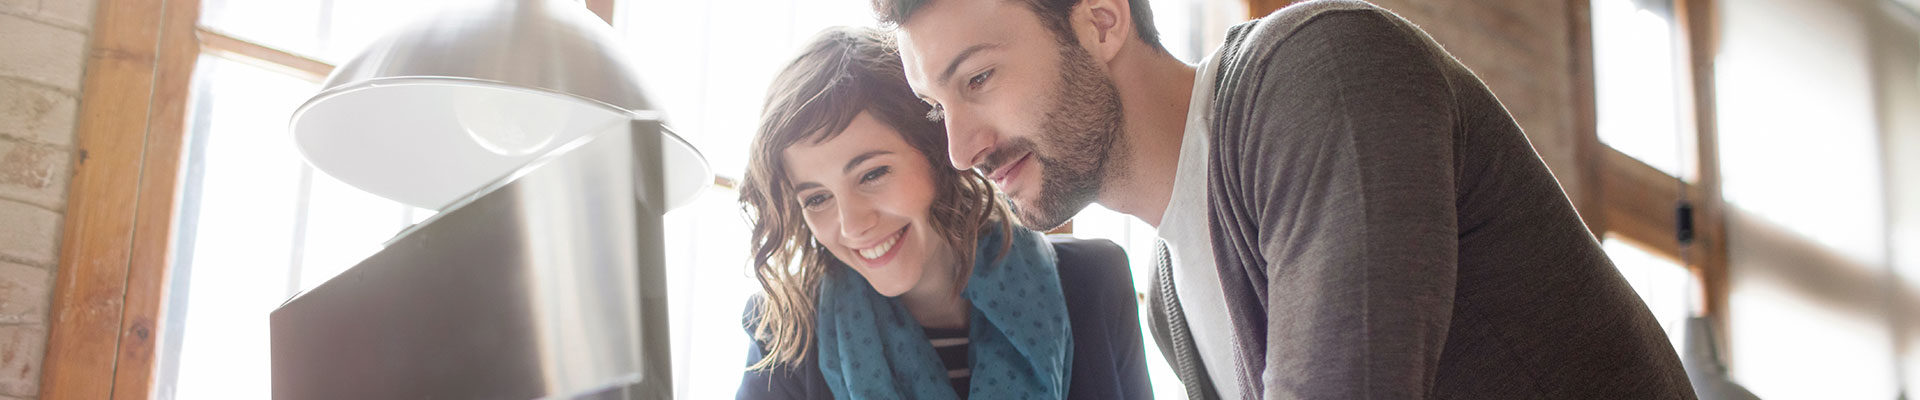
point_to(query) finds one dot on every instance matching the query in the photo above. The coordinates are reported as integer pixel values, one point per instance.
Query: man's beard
(1078, 139)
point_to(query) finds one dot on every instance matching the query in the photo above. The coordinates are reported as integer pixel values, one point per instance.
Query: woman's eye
(814, 202)
(979, 80)
(876, 173)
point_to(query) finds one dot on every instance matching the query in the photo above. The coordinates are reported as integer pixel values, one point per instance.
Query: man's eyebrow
(955, 64)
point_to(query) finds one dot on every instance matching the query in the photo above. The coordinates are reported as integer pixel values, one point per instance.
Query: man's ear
(1103, 27)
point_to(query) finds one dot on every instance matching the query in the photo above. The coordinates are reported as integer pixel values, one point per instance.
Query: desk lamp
(524, 124)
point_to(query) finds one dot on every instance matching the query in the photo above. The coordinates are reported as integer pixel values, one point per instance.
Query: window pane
(711, 62)
(707, 288)
(237, 249)
(257, 225)
(1798, 143)
(1802, 170)
(351, 25)
(343, 226)
(328, 30)
(290, 25)
(1637, 83)
(1668, 289)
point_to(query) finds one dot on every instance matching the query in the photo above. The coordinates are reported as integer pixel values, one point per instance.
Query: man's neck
(1155, 92)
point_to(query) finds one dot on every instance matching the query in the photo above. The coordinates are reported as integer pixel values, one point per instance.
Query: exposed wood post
(1700, 24)
(113, 255)
(1260, 8)
(1587, 150)
(602, 8)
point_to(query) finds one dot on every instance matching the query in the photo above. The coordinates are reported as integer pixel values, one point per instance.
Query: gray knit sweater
(1383, 229)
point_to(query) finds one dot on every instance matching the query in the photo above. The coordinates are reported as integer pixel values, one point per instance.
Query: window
(1637, 83)
(1639, 102)
(1786, 108)
(1808, 224)
(256, 224)
(1669, 290)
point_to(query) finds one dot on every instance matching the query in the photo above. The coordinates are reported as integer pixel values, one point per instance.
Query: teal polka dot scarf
(1020, 343)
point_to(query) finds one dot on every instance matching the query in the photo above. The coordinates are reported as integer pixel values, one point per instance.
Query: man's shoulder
(1258, 38)
(1292, 64)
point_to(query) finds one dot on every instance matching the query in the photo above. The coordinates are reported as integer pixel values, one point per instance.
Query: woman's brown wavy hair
(840, 73)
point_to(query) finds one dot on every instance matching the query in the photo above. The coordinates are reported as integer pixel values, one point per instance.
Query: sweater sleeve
(1348, 168)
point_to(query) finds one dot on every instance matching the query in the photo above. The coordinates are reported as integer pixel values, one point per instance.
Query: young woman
(888, 275)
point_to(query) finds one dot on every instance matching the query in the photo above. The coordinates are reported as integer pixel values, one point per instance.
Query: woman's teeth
(880, 250)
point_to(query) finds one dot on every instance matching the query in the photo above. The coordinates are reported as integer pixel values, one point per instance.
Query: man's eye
(937, 113)
(876, 173)
(979, 80)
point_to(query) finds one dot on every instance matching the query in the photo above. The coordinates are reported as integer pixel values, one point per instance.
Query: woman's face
(866, 195)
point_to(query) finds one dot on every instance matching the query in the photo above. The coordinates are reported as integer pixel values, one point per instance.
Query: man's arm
(1351, 181)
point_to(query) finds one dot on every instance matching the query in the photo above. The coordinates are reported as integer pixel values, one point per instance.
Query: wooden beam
(1639, 202)
(1700, 22)
(258, 55)
(1260, 8)
(602, 8)
(149, 265)
(1587, 149)
(119, 204)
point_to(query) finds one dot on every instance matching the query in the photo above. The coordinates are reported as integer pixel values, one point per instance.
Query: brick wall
(43, 46)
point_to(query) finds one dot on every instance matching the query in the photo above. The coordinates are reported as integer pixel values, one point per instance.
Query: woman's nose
(857, 216)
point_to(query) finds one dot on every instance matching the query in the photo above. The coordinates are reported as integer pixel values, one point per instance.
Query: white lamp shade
(443, 107)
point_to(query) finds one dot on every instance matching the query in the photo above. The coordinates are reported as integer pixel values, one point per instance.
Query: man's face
(1038, 117)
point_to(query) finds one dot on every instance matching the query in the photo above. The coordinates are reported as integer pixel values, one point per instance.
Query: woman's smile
(877, 255)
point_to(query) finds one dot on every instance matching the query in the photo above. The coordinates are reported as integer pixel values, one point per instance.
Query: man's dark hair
(1053, 13)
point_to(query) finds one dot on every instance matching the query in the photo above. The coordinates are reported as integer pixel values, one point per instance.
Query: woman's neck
(935, 302)
(944, 311)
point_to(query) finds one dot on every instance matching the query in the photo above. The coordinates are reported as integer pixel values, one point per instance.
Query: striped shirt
(951, 344)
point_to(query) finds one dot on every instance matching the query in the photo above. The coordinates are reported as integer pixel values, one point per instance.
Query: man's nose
(967, 140)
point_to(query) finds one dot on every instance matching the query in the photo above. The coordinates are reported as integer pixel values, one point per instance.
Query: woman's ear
(1103, 27)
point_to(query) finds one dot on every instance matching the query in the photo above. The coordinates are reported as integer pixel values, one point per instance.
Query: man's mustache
(1005, 154)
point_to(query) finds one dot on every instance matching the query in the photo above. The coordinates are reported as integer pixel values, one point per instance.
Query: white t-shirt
(1189, 242)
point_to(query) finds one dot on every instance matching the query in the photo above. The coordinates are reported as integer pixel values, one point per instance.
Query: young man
(1347, 210)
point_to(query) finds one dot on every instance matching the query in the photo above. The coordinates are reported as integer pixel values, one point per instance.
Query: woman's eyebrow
(855, 162)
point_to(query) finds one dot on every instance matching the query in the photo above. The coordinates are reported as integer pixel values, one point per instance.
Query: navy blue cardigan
(1109, 359)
